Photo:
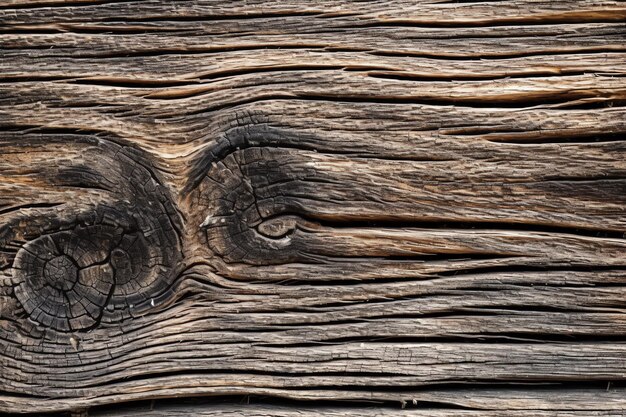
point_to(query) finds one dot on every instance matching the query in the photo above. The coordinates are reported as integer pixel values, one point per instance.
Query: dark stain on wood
(324, 208)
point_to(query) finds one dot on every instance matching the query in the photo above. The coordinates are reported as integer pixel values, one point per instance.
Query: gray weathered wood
(361, 205)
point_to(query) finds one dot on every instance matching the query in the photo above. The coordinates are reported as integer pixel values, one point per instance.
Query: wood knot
(74, 279)
(61, 272)
(100, 262)
(278, 227)
(243, 217)
(63, 279)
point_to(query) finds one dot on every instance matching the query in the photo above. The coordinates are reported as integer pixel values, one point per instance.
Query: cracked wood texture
(322, 207)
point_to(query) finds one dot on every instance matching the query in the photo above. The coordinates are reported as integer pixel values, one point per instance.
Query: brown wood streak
(416, 204)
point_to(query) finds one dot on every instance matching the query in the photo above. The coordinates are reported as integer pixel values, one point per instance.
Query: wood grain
(322, 207)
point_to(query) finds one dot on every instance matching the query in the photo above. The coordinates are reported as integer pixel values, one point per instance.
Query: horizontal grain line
(494, 310)
(500, 56)
(477, 270)
(197, 18)
(218, 17)
(370, 70)
(60, 4)
(519, 103)
(528, 268)
(582, 396)
(543, 136)
(145, 53)
(28, 206)
(566, 18)
(401, 75)
(288, 329)
(460, 226)
(447, 401)
(93, 30)
(411, 377)
(107, 28)
(495, 337)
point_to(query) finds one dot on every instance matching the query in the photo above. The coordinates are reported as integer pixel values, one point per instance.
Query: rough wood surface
(518, 404)
(390, 203)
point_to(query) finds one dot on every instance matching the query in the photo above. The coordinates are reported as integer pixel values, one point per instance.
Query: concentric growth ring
(65, 279)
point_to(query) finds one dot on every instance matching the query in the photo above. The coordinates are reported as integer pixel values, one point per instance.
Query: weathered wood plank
(470, 403)
(414, 204)
(542, 402)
